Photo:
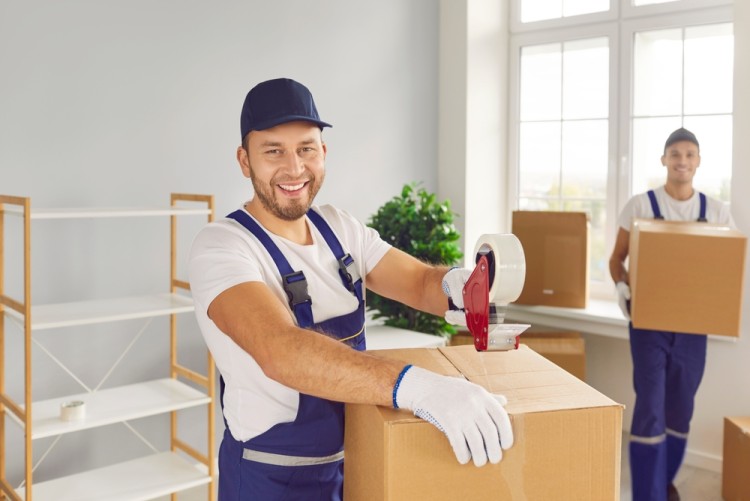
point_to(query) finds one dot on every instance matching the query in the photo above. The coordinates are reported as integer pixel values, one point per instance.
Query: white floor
(694, 484)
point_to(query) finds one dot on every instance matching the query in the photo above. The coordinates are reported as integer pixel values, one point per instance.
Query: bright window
(564, 130)
(597, 88)
(683, 78)
(538, 10)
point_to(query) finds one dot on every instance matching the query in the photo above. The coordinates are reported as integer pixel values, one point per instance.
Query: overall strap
(294, 282)
(347, 269)
(654, 205)
(702, 216)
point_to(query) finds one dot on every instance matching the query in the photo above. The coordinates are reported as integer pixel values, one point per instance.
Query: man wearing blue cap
(667, 366)
(279, 288)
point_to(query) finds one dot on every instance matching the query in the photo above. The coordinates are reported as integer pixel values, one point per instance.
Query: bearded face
(285, 198)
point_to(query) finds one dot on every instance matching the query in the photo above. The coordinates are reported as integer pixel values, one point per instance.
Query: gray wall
(120, 103)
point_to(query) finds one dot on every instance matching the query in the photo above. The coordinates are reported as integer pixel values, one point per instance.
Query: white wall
(120, 103)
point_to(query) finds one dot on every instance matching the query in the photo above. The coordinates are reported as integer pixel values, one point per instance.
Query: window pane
(650, 2)
(577, 7)
(539, 165)
(714, 133)
(586, 79)
(537, 10)
(709, 54)
(598, 252)
(657, 72)
(649, 135)
(541, 81)
(584, 159)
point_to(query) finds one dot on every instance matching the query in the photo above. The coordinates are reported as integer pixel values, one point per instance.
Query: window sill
(600, 317)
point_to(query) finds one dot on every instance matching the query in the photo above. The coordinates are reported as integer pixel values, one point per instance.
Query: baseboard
(703, 461)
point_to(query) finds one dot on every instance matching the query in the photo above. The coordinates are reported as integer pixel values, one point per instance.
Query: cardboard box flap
(529, 381)
(685, 228)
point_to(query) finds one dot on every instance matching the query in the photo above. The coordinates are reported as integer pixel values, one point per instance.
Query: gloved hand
(474, 420)
(453, 285)
(623, 296)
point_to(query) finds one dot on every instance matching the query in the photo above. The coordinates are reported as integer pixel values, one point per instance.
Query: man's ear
(244, 160)
(664, 160)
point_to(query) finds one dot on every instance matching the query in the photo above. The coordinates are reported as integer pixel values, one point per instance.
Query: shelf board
(106, 212)
(137, 480)
(52, 316)
(113, 405)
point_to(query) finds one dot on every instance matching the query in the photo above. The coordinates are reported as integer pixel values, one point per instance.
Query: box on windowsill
(567, 437)
(556, 246)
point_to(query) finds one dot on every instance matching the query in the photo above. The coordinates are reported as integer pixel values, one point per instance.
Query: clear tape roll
(72, 410)
(509, 264)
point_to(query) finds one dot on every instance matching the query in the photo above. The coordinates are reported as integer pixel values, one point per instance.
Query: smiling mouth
(293, 187)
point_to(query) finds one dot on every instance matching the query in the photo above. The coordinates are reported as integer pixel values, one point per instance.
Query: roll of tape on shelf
(73, 410)
(509, 263)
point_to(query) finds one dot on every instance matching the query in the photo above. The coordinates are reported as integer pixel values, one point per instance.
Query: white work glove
(623, 296)
(453, 287)
(474, 420)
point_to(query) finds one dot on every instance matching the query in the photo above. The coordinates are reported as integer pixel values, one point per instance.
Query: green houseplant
(416, 223)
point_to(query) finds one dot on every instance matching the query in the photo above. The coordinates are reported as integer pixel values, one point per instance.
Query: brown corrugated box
(565, 349)
(686, 277)
(556, 246)
(736, 463)
(567, 437)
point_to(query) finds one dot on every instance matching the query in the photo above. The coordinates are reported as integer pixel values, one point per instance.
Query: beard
(295, 208)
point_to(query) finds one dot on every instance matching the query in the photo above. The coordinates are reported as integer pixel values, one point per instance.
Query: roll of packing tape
(509, 264)
(72, 410)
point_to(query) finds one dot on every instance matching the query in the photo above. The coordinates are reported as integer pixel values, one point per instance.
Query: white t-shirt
(639, 207)
(225, 254)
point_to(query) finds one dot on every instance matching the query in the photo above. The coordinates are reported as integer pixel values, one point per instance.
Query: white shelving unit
(148, 477)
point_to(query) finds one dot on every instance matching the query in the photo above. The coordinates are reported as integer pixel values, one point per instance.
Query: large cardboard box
(556, 245)
(565, 349)
(736, 463)
(686, 277)
(567, 437)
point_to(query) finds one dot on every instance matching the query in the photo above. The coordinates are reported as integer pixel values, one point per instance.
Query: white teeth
(291, 187)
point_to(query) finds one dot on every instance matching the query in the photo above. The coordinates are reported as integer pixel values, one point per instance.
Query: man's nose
(294, 164)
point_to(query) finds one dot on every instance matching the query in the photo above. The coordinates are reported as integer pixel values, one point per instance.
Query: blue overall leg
(667, 370)
(648, 447)
(684, 374)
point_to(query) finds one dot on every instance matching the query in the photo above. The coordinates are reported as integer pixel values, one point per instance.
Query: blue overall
(303, 459)
(667, 370)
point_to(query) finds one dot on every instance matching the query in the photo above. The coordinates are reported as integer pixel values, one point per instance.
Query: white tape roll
(509, 262)
(72, 410)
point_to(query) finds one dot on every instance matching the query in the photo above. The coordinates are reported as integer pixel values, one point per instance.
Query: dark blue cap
(275, 102)
(680, 134)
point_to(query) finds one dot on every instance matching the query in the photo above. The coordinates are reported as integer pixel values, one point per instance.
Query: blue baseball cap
(681, 134)
(275, 102)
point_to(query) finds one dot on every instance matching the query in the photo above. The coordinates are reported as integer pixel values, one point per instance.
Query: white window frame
(620, 30)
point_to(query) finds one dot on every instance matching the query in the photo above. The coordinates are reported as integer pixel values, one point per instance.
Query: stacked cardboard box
(556, 246)
(686, 277)
(565, 349)
(567, 437)
(736, 464)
